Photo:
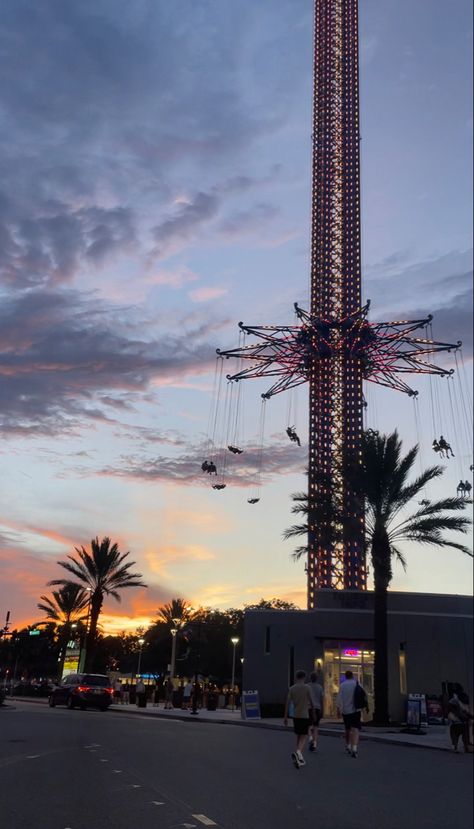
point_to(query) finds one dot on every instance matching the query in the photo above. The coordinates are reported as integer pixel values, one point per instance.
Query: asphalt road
(63, 769)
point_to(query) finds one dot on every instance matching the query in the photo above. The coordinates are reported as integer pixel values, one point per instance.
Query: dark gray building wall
(435, 631)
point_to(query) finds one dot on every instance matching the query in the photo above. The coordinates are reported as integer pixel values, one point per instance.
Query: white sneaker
(301, 759)
(296, 760)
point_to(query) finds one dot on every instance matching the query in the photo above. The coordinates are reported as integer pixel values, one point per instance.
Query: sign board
(34, 632)
(71, 661)
(417, 715)
(250, 705)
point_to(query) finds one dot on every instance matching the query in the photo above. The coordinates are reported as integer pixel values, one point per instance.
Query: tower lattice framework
(335, 380)
(334, 347)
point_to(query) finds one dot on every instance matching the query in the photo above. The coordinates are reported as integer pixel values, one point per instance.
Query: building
(430, 641)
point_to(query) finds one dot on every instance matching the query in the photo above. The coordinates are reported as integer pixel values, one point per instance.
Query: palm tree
(176, 609)
(65, 608)
(102, 572)
(382, 481)
(65, 605)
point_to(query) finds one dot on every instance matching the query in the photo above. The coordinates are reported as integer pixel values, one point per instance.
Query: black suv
(82, 691)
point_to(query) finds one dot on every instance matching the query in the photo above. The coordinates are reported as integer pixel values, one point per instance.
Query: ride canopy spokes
(386, 350)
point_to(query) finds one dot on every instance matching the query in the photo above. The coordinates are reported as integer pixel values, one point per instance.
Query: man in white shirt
(350, 712)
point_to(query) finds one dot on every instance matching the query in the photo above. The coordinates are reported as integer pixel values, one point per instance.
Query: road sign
(34, 632)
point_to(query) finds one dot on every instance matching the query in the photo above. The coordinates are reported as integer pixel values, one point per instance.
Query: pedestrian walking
(350, 701)
(187, 691)
(169, 688)
(298, 705)
(118, 691)
(316, 712)
(140, 691)
(458, 717)
(126, 693)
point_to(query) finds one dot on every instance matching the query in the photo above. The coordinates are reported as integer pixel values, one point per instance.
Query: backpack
(360, 698)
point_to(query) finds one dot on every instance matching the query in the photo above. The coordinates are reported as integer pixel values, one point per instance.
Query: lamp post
(235, 641)
(83, 647)
(141, 642)
(194, 709)
(174, 632)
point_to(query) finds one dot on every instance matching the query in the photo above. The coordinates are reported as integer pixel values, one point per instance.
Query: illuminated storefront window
(339, 657)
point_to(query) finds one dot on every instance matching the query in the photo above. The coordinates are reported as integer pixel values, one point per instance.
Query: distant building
(430, 642)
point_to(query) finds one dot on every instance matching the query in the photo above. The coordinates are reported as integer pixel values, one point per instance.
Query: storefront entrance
(347, 656)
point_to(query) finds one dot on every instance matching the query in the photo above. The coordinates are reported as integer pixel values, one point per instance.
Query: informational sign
(417, 715)
(250, 706)
(413, 713)
(35, 632)
(71, 661)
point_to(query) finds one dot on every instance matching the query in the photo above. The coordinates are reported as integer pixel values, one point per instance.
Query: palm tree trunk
(381, 713)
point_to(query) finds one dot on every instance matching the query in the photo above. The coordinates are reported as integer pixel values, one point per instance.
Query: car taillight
(110, 690)
(83, 688)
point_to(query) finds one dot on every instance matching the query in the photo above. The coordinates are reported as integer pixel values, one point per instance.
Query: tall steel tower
(335, 378)
(334, 348)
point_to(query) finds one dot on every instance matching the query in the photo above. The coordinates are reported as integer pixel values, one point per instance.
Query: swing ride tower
(334, 374)
(334, 347)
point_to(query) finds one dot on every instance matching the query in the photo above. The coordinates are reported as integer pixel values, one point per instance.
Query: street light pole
(194, 709)
(235, 641)
(141, 642)
(83, 648)
(174, 633)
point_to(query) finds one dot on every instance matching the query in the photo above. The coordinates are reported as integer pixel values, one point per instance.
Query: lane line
(157, 803)
(205, 820)
(32, 756)
(117, 771)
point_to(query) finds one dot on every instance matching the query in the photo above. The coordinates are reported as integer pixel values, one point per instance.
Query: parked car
(83, 691)
(25, 688)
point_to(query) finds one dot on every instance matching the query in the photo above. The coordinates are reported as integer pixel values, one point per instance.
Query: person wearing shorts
(317, 696)
(298, 705)
(350, 714)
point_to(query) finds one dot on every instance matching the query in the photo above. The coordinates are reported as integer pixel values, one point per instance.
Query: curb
(326, 732)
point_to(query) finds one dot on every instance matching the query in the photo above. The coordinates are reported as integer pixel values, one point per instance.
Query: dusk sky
(155, 190)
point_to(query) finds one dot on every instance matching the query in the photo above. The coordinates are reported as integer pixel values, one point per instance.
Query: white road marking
(206, 820)
(117, 771)
(189, 825)
(156, 803)
(93, 745)
(103, 760)
(135, 786)
(32, 756)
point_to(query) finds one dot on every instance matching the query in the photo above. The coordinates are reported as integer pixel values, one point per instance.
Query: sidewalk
(436, 738)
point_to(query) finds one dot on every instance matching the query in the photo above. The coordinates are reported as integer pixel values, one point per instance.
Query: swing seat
(235, 450)
(219, 486)
(253, 500)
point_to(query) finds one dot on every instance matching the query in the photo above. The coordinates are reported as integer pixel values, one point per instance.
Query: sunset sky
(155, 190)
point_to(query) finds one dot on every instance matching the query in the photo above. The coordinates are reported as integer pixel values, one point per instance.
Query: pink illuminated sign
(351, 652)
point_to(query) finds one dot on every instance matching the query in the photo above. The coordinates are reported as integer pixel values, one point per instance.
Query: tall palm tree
(175, 609)
(382, 481)
(101, 572)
